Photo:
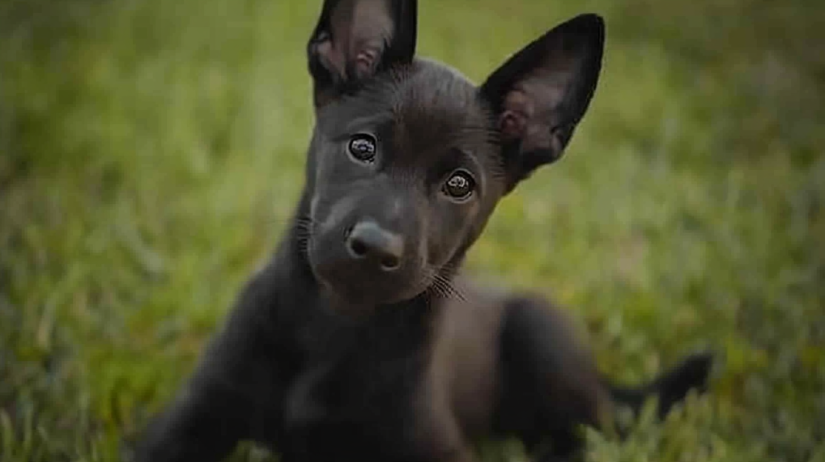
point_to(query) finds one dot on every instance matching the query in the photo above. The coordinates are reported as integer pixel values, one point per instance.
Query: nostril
(383, 249)
(390, 262)
(357, 248)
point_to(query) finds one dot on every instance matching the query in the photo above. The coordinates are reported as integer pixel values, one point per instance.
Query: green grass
(151, 151)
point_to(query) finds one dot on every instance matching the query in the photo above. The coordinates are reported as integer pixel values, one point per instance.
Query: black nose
(368, 241)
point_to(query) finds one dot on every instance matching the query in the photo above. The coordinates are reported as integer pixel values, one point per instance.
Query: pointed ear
(356, 39)
(540, 94)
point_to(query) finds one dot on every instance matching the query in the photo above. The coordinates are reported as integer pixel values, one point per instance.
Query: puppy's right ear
(355, 40)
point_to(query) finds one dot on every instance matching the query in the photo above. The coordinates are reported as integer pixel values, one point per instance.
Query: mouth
(355, 287)
(374, 294)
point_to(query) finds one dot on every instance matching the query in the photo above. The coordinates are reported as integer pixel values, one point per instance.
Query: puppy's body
(418, 381)
(358, 341)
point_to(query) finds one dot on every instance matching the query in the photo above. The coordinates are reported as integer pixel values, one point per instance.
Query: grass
(151, 151)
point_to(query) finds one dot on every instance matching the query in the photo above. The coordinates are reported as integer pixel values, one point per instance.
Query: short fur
(358, 341)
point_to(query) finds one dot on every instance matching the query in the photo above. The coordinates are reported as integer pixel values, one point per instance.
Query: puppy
(359, 341)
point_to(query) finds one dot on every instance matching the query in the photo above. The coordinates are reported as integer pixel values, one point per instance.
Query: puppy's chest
(360, 392)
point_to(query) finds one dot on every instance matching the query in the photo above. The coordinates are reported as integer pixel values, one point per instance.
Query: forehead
(423, 111)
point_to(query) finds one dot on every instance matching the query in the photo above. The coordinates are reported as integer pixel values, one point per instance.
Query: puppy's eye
(362, 148)
(459, 185)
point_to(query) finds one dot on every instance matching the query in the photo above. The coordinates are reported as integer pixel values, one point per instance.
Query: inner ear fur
(356, 39)
(540, 94)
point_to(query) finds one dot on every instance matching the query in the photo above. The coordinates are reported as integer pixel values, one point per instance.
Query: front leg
(236, 392)
(202, 425)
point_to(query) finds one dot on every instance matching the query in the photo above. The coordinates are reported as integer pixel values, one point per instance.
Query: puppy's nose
(368, 241)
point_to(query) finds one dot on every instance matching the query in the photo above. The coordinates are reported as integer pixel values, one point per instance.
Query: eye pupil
(459, 185)
(362, 147)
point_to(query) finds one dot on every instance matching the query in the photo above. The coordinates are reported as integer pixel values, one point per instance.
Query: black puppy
(358, 342)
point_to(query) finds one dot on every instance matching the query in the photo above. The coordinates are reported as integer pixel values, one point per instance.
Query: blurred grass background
(151, 152)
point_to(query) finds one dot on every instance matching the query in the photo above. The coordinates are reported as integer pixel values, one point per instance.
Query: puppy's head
(409, 158)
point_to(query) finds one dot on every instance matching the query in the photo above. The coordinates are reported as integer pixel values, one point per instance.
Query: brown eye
(362, 148)
(460, 185)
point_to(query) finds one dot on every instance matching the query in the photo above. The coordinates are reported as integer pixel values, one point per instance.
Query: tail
(669, 388)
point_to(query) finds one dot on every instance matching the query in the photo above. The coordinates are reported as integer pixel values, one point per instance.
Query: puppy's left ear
(355, 40)
(541, 93)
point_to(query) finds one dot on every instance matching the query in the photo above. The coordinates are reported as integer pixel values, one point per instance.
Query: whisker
(303, 233)
(441, 285)
(434, 287)
(453, 289)
(441, 291)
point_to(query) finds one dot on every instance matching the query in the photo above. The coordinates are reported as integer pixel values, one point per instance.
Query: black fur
(358, 341)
